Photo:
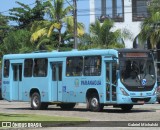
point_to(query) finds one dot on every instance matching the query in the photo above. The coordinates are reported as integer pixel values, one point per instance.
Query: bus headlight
(124, 92)
(155, 91)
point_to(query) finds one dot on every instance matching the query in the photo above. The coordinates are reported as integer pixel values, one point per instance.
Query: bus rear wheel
(67, 106)
(36, 103)
(94, 104)
(126, 107)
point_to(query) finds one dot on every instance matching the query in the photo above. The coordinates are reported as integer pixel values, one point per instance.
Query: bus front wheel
(94, 104)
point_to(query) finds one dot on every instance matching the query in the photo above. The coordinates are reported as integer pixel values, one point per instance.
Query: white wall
(133, 27)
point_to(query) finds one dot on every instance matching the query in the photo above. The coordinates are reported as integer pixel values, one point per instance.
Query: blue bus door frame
(111, 80)
(17, 81)
(57, 80)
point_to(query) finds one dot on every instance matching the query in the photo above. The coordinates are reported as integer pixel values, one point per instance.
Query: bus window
(60, 72)
(92, 66)
(17, 72)
(28, 64)
(57, 72)
(54, 72)
(74, 66)
(40, 67)
(6, 68)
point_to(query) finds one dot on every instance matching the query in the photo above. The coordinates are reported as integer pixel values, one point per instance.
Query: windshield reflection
(137, 72)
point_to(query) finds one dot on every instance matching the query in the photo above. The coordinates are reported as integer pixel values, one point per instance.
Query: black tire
(36, 101)
(67, 106)
(126, 107)
(94, 104)
(158, 101)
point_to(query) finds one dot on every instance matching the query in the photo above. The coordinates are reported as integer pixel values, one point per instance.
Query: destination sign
(135, 55)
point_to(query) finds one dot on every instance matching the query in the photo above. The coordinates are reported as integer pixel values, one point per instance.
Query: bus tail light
(124, 92)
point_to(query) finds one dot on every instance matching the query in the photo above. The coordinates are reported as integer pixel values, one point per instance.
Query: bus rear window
(6, 68)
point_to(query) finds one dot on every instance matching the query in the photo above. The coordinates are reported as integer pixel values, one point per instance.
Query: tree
(17, 41)
(150, 27)
(3, 27)
(59, 18)
(25, 15)
(85, 42)
(102, 35)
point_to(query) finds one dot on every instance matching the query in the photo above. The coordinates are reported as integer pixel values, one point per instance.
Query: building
(127, 15)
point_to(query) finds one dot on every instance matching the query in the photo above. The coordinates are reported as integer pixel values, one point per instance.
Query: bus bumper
(136, 100)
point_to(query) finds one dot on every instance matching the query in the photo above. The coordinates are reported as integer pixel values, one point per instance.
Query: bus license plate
(140, 102)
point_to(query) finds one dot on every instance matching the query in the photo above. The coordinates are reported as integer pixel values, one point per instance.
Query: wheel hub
(94, 102)
(35, 101)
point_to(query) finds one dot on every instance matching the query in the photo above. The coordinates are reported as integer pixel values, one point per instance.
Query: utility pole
(75, 23)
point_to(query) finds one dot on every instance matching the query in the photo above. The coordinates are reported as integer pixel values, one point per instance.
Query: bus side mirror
(114, 58)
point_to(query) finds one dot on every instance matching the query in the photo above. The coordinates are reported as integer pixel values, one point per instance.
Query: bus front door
(111, 81)
(17, 82)
(57, 81)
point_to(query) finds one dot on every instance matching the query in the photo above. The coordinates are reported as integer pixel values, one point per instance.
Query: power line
(17, 7)
(85, 10)
(68, 2)
(87, 14)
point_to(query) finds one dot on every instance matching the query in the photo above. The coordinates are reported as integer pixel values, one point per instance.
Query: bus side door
(16, 81)
(56, 81)
(111, 81)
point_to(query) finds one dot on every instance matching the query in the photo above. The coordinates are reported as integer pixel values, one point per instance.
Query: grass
(47, 121)
(29, 117)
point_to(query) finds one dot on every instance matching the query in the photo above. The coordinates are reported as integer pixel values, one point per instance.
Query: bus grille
(139, 89)
(140, 99)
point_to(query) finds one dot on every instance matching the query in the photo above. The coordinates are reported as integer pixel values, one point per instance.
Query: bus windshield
(137, 71)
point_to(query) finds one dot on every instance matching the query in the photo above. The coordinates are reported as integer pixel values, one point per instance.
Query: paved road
(148, 112)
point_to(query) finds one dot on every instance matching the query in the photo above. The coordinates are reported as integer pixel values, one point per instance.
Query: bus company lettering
(5, 82)
(90, 82)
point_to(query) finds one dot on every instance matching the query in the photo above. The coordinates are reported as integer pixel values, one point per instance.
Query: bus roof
(55, 54)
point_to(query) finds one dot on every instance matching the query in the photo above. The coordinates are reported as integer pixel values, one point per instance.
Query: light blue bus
(118, 77)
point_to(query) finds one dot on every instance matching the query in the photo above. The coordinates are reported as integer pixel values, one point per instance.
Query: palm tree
(103, 35)
(150, 27)
(59, 18)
